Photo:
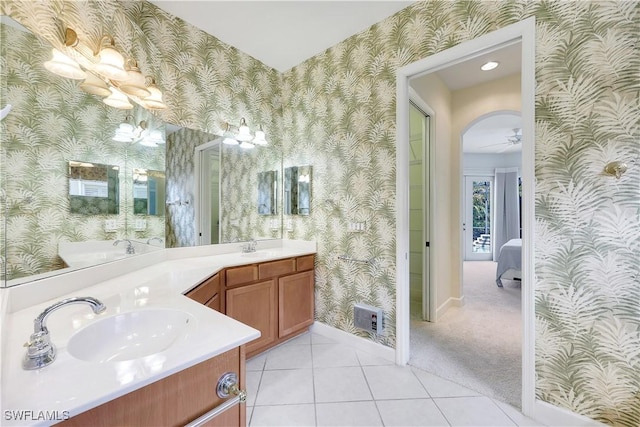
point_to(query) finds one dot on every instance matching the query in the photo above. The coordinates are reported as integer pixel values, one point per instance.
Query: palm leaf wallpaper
(336, 112)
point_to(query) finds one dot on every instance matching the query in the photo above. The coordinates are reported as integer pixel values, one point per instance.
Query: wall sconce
(105, 73)
(616, 169)
(141, 134)
(243, 136)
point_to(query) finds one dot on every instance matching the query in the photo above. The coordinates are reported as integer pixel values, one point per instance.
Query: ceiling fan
(512, 140)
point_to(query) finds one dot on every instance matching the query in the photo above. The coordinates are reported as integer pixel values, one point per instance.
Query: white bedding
(509, 258)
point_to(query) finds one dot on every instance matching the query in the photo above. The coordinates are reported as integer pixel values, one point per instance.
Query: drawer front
(205, 291)
(276, 268)
(244, 274)
(305, 263)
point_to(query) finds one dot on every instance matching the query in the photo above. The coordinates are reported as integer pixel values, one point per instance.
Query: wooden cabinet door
(172, 401)
(257, 306)
(295, 301)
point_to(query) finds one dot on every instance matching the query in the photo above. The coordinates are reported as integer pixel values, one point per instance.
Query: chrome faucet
(250, 246)
(130, 249)
(154, 238)
(40, 351)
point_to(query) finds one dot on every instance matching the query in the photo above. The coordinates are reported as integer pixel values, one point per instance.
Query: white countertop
(73, 385)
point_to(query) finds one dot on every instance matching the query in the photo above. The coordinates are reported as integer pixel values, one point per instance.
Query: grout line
(441, 412)
(313, 382)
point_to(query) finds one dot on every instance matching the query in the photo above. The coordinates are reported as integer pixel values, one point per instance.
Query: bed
(509, 261)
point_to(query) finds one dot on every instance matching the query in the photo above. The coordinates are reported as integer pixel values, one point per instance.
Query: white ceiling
(282, 34)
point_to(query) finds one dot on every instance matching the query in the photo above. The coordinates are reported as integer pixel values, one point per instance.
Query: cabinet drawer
(276, 268)
(244, 274)
(206, 290)
(304, 263)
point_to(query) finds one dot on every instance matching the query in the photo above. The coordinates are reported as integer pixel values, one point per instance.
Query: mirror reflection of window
(93, 188)
(297, 190)
(267, 190)
(148, 192)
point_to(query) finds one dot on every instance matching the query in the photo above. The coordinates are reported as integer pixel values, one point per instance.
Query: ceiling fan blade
(495, 145)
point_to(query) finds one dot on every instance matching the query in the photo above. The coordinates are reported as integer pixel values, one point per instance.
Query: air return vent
(368, 318)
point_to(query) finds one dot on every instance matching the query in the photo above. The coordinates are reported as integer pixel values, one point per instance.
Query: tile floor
(314, 381)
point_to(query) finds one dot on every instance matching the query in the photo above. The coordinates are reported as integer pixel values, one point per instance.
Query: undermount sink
(254, 254)
(130, 335)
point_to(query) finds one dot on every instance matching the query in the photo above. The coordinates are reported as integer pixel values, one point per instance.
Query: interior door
(477, 218)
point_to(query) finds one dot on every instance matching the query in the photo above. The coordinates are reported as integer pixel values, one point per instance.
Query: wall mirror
(58, 152)
(43, 133)
(93, 188)
(267, 192)
(148, 192)
(297, 190)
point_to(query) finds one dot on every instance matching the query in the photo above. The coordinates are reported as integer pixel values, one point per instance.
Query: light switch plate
(110, 225)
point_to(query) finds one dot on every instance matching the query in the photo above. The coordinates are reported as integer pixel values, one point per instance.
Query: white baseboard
(451, 302)
(554, 416)
(357, 342)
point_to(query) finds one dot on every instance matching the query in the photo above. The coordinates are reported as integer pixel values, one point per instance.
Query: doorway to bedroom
(474, 336)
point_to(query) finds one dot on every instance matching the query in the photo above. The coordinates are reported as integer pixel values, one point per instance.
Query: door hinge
(427, 244)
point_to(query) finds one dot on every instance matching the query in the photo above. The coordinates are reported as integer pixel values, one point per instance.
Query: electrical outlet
(289, 224)
(110, 225)
(140, 224)
(356, 227)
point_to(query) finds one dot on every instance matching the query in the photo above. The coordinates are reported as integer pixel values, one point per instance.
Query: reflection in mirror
(267, 192)
(93, 188)
(53, 122)
(207, 161)
(148, 192)
(297, 190)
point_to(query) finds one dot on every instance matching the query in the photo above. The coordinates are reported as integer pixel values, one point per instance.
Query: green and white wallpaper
(51, 123)
(339, 116)
(336, 112)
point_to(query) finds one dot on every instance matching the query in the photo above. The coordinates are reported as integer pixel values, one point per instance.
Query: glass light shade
(135, 84)
(124, 133)
(156, 136)
(244, 134)
(64, 66)
(154, 101)
(260, 138)
(230, 140)
(111, 64)
(95, 85)
(118, 99)
(246, 145)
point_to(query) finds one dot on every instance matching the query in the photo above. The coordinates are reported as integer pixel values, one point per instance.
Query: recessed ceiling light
(489, 66)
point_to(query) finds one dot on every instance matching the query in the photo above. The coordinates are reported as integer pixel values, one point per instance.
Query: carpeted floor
(477, 345)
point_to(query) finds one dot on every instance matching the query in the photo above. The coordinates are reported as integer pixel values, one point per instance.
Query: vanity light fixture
(118, 99)
(228, 137)
(489, 65)
(111, 62)
(135, 84)
(106, 73)
(260, 138)
(244, 134)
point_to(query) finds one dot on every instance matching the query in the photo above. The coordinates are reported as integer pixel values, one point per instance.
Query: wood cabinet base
(173, 401)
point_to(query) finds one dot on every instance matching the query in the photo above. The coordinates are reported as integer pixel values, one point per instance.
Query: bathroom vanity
(274, 297)
(267, 296)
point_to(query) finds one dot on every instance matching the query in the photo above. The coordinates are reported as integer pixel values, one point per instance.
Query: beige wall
(467, 105)
(455, 111)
